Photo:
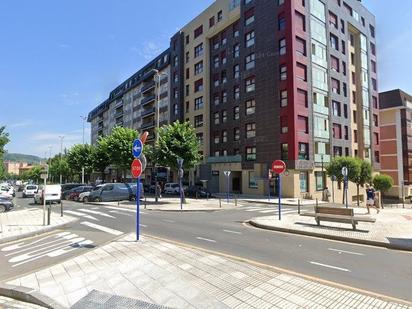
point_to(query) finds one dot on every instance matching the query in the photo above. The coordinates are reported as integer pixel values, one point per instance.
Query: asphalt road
(383, 271)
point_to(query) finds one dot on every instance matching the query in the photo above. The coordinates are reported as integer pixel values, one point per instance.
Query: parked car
(84, 197)
(196, 191)
(6, 189)
(5, 204)
(30, 190)
(113, 192)
(67, 187)
(73, 194)
(52, 194)
(171, 188)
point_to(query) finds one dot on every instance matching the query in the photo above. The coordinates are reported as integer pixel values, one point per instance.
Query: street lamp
(157, 78)
(84, 118)
(61, 152)
(180, 174)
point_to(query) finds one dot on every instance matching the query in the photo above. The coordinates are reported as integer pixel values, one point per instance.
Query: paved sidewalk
(10, 303)
(24, 223)
(265, 200)
(173, 204)
(166, 274)
(392, 229)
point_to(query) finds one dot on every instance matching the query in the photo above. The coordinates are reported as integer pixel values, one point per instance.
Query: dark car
(5, 204)
(74, 193)
(67, 187)
(199, 192)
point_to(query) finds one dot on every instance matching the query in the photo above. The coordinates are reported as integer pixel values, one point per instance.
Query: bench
(337, 214)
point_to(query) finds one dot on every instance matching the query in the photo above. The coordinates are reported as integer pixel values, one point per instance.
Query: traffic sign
(227, 173)
(278, 166)
(344, 171)
(136, 168)
(137, 148)
(44, 176)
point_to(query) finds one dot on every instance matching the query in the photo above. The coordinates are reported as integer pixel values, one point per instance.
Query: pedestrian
(325, 195)
(370, 199)
(159, 190)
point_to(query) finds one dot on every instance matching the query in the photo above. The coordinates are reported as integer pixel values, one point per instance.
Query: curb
(331, 237)
(35, 233)
(28, 295)
(163, 210)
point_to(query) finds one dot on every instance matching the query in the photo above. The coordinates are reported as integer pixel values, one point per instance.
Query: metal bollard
(317, 203)
(220, 202)
(145, 202)
(299, 206)
(196, 194)
(118, 203)
(48, 214)
(235, 200)
(61, 208)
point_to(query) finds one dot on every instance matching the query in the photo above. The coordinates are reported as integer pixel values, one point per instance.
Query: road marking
(206, 239)
(267, 211)
(233, 232)
(22, 244)
(79, 214)
(96, 213)
(123, 209)
(253, 209)
(330, 266)
(142, 225)
(102, 228)
(168, 221)
(120, 213)
(95, 208)
(343, 251)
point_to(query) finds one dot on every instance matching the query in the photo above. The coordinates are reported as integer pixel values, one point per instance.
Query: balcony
(318, 158)
(148, 100)
(147, 112)
(148, 87)
(147, 125)
(118, 104)
(148, 75)
(118, 114)
(225, 159)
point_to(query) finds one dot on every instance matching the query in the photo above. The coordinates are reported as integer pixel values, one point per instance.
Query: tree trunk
(343, 195)
(357, 193)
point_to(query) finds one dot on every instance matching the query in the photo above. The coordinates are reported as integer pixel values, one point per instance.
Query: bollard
(196, 194)
(118, 203)
(220, 202)
(317, 203)
(61, 208)
(235, 200)
(48, 214)
(299, 206)
(145, 202)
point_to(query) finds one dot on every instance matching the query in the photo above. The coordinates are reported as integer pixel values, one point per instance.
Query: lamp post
(84, 118)
(61, 152)
(157, 78)
(227, 174)
(180, 174)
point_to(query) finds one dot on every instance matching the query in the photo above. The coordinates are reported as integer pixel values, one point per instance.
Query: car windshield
(31, 187)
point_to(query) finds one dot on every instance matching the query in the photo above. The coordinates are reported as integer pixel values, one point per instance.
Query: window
(236, 30)
(337, 131)
(372, 30)
(198, 67)
(224, 116)
(334, 63)
(199, 103)
(250, 107)
(236, 113)
(335, 86)
(346, 135)
(217, 153)
(336, 108)
(187, 57)
(374, 84)
(216, 79)
(320, 184)
(282, 23)
(219, 16)
(250, 38)
(250, 84)
(223, 77)
(375, 120)
(282, 46)
(211, 21)
(199, 50)
(216, 61)
(187, 73)
(198, 31)
(198, 121)
(216, 43)
(175, 93)
(236, 92)
(375, 102)
(284, 124)
(343, 47)
(187, 39)
(175, 109)
(300, 46)
(355, 136)
(216, 118)
(247, 2)
(223, 58)
(224, 136)
(337, 151)
(344, 68)
(284, 98)
(354, 116)
(216, 138)
(373, 49)
(373, 66)
(284, 155)
(280, 2)
(377, 159)
(216, 99)
(302, 97)
(345, 111)
(199, 137)
(333, 20)
(236, 51)
(283, 72)
(250, 130)
(187, 106)
(199, 85)
(175, 77)
(187, 90)
(250, 61)
(224, 96)
(236, 134)
(249, 17)
(302, 124)
(236, 71)
(301, 71)
(303, 151)
(250, 154)
(334, 42)
(252, 180)
(300, 21)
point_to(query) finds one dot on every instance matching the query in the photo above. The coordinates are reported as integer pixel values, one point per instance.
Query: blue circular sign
(137, 148)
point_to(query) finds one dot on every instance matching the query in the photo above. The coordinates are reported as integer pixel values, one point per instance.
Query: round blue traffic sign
(137, 148)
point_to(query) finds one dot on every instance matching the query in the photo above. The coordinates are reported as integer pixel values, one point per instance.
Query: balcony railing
(118, 114)
(147, 125)
(118, 104)
(225, 159)
(148, 100)
(147, 112)
(148, 87)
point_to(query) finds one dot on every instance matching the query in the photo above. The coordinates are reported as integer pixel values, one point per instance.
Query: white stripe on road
(233, 232)
(330, 266)
(97, 213)
(267, 211)
(142, 225)
(343, 251)
(79, 214)
(22, 244)
(252, 209)
(124, 209)
(102, 228)
(206, 239)
(120, 213)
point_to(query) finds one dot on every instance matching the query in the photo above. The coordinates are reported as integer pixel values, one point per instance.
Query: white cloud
(148, 50)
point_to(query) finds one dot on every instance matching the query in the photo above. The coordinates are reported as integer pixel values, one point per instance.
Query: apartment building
(396, 140)
(262, 80)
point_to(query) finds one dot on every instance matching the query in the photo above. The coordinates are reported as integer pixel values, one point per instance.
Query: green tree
(382, 183)
(334, 168)
(119, 148)
(100, 156)
(59, 166)
(364, 176)
(80, 156)
(4, 139)
(34, 174)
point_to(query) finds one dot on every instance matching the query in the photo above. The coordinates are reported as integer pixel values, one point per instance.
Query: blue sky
(59, 59)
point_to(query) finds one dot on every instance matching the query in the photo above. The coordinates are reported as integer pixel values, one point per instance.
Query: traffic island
(392, 228)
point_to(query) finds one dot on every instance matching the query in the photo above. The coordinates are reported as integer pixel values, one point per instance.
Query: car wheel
(85, 199)
(2, 208)
(97, 199)
(24, 195)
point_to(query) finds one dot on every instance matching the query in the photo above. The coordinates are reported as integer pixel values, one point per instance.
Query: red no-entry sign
(136, 168)
(278, 166)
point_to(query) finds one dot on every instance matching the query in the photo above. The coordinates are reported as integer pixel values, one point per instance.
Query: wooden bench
(337, 214)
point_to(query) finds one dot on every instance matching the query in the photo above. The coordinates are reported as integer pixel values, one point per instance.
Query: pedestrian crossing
(268, 209)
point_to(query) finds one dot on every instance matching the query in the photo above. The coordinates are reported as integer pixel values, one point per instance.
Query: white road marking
(142, 225)
(330, 266)
(96, 213)
(22, 244)
(206, 239)
(79, 214)
(102, 228)
(96, 208)
(120, 213)
(168, 221)
(124, 209)
(233, 232)
(267, 211)
(343, 251)
(253, 209)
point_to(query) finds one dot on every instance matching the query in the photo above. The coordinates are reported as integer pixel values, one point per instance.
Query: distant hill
(19, 157)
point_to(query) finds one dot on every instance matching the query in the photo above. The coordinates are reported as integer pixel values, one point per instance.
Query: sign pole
(138, 209)
(269, 186)
(44, 202)
(280, 197)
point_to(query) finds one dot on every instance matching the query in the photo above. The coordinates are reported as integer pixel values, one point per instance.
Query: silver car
(114, 192)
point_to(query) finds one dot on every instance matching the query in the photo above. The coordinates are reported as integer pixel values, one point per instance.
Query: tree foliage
(176, 140)
(383, 182)
(334, 168)
(4, 139)
(80, 156)
(33, 174)
(100, 156)
(364, 176)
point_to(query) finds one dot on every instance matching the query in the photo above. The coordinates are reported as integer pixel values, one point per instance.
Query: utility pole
(61, 152)
(84, 118)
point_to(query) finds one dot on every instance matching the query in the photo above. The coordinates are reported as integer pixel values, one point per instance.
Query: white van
(30, 190)
(53, 194)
